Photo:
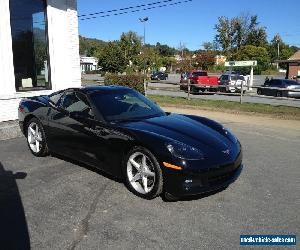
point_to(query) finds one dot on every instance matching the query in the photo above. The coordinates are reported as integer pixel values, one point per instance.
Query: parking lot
(52, 203)
(170, 87)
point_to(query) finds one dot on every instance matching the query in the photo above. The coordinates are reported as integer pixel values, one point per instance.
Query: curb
(9, 130)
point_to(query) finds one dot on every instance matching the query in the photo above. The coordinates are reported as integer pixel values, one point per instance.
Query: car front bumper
(181, 184)
(293, 94)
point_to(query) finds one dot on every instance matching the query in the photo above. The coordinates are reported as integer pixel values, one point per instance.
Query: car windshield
(199, 73)
(290, 82)
(124, 105)
(225, 77)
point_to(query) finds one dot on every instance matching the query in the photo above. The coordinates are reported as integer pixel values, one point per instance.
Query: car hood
(187, 130)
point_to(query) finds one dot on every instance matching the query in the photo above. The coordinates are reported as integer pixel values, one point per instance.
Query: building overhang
(296, 61)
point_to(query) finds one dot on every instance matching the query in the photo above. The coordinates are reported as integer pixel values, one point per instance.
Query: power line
(140, 8)
(127, 8)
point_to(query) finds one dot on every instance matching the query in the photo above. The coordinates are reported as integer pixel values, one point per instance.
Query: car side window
(56, 97)
(76, 102)
(276, 83)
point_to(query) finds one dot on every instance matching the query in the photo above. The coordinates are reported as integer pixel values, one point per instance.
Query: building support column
(251, 78)
(7, 76)
(63, 44)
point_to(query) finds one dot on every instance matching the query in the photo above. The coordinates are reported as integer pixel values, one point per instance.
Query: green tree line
(243, 38)
(238, 38)
(128, 54)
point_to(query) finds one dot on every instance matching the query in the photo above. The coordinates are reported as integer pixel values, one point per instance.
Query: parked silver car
(232, 82)
(279, 88)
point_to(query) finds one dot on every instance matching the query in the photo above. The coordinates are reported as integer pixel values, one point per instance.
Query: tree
(204, 60)
(165, 50)
(258, 37)
(210, 46)
(285, 51)
(90, 46)
(224, 34)
(239, 31)
(148, 58)
(112, 58)
(250, 52)
(131, 45)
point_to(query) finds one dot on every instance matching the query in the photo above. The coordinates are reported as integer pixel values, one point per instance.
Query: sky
(191, 23)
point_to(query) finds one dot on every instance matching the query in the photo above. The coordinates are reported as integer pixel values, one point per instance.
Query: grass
(282, 112)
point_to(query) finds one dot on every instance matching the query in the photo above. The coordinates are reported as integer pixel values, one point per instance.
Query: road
(275, 101)
(175, 78)
(171, 88)
(50, 203)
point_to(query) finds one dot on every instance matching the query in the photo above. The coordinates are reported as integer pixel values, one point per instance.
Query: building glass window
(30, 46)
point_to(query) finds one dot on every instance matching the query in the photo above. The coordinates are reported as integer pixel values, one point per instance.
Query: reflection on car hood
(186, 130)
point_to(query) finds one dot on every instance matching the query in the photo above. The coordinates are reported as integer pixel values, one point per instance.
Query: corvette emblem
(227, 151)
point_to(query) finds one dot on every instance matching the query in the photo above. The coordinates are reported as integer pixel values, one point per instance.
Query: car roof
(285, 80)
(232, 74)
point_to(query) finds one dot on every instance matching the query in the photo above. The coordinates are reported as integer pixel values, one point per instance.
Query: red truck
(199, 80)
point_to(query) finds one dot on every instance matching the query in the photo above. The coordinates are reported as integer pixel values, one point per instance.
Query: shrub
(133, 81)
(98, 71)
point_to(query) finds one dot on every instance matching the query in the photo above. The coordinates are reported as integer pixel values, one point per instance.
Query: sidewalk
(9, 130)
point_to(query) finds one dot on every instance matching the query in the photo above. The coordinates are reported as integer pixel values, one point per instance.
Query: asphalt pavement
(51, 203)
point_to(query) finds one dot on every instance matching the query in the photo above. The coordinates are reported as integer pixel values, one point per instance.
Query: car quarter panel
(33, 107)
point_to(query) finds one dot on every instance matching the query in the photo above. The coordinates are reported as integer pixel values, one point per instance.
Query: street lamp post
(144, 20)
(278, 41)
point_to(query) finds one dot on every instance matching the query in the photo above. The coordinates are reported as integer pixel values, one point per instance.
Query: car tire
(36, 139)
(143, 174)
(193, 89)
(279, 94)
(259, 92)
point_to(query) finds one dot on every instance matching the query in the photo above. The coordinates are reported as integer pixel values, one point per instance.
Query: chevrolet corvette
(126, 135)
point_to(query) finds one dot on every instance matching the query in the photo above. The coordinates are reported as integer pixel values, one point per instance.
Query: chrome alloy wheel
(141, 173)
(34, 137)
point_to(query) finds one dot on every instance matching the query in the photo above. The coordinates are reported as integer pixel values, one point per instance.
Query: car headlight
(183, 151)
(291, 87)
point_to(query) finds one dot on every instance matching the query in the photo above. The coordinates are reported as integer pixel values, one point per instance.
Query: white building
(220, 59)
(39, 50)
(88, 63)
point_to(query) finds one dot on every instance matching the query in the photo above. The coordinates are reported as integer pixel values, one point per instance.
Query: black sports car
(123, 133)
(159, 76)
